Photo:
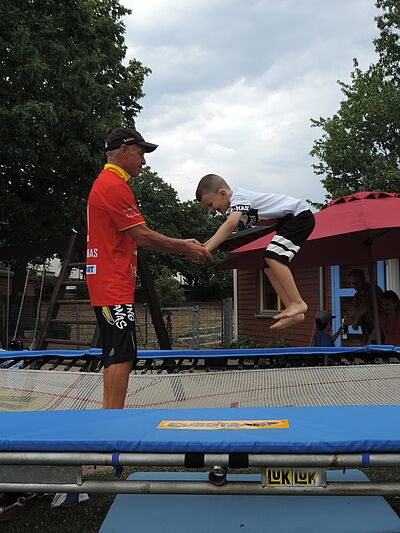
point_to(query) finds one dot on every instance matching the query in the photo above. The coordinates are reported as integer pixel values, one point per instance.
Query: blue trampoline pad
(154, 513)
(309, 430)
(199, 354)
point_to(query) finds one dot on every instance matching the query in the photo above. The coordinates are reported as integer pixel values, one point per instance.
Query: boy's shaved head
(211, 183)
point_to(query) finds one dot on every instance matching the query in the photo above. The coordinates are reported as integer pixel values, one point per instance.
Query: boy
(323, 322)
(295, 224)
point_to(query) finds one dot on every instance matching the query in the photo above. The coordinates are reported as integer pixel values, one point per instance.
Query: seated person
(389, 319)
(323, 323)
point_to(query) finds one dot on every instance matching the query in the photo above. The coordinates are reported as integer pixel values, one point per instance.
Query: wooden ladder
(58, 299)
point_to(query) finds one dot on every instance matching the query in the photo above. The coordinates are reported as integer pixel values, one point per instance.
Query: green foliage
(159, 204)
(277, 342)
(242, 343)
(63, 86)
(205, 282)
(169, 291)
(360, 143)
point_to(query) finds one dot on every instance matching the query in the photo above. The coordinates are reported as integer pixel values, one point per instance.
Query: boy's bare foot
(292, 310)
(286, 322)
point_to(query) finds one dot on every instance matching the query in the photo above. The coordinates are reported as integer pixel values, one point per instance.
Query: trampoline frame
(49, 471)
(175, 361)
(62, 472)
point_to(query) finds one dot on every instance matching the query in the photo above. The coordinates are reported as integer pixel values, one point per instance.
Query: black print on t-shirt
(251, 215)
(252, 218)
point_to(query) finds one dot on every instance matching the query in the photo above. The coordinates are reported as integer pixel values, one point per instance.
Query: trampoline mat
(35, 390)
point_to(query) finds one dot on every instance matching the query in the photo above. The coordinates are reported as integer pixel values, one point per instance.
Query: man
(115, 229)
(362, 301)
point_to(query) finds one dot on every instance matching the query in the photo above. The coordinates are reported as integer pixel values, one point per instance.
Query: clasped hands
(197, 251)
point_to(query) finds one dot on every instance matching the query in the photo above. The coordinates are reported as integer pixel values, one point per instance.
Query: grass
(88, 516)
(38, 515)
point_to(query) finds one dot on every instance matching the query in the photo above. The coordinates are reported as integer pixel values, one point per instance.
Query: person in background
(363, 315)
(389, 319)
(323, 323)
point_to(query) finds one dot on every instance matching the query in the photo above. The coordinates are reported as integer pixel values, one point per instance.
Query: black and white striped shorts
(291, 233)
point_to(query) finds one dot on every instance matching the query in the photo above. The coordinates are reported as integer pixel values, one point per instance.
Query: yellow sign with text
(292, 477)
(223, 424)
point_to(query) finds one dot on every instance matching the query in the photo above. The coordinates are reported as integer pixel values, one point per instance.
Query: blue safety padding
(201, 354)
(311, 430)
(28, 354)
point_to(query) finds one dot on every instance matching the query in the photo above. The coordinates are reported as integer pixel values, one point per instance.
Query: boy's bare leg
(115, 385)
(280, 291)
(284, 322)
(284, 281)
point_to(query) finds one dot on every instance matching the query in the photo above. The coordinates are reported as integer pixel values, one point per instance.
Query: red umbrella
(355, 229)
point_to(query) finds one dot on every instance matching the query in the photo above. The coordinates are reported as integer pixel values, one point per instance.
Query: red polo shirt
(111, 263)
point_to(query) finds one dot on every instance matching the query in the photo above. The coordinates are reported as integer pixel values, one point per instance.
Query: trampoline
(291, 424)
(292, 446)
(203, 360)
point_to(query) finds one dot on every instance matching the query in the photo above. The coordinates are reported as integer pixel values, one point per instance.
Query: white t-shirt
(258, 206)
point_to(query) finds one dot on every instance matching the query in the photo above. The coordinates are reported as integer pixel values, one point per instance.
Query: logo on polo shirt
(131, 212)
(90, 269)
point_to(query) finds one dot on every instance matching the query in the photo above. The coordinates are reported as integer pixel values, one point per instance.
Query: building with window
(359, 228)
(321, 287)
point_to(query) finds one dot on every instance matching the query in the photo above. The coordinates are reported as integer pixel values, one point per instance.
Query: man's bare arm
(146, 237)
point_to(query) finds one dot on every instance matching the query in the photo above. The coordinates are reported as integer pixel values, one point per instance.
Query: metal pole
(210, 459)
(196, 331)
(321, 288)
(204, 487)
(235, 304)
(373, 294)
(227, 325)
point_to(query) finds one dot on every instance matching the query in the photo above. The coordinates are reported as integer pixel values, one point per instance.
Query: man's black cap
(127, 136)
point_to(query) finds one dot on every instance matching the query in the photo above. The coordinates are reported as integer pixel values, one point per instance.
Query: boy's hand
(196, 251)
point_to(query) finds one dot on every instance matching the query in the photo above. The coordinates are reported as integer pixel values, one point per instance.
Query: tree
(63, 86)
(169, 291)
(360, 145)
(170, 294)
(159, 204)
(205, 282)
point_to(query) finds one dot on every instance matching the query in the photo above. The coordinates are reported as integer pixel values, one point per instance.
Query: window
(269, 300)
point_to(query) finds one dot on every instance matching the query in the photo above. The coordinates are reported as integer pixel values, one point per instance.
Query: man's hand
(196, 251)
(146, 237)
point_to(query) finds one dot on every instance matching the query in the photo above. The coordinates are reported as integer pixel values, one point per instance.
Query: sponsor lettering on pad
(223, 424)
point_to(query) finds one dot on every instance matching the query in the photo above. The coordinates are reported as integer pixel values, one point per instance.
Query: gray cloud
(234, 85)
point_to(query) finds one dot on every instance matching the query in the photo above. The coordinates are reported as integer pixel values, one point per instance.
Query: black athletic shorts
(291, 233)
(117, 329)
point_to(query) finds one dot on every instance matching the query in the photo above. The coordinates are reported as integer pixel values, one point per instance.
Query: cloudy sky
(234, 84)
